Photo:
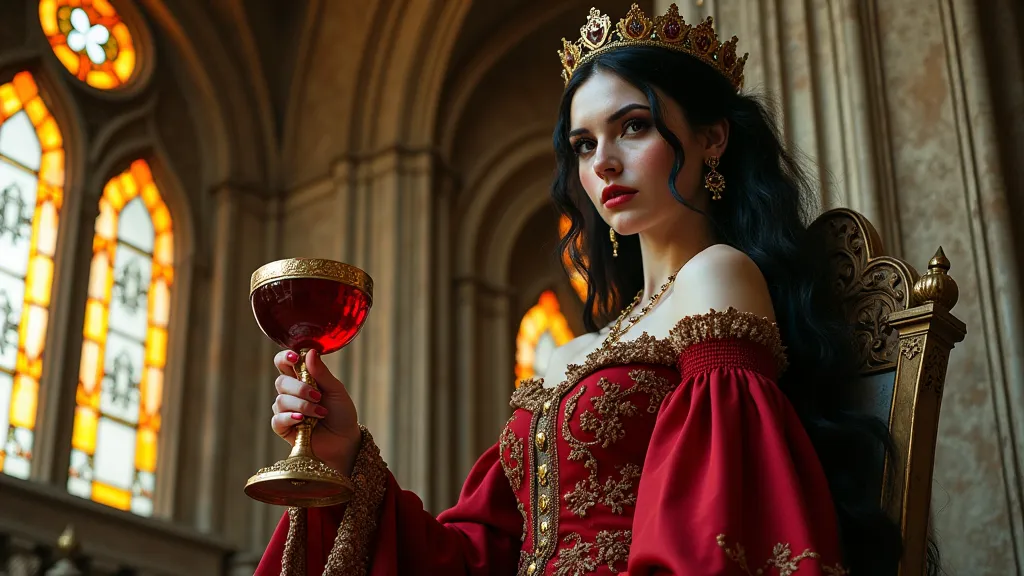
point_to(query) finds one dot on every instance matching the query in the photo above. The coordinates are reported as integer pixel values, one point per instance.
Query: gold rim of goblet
(291, 268)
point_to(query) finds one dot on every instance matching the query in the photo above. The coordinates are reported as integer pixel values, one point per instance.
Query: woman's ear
(716, 138)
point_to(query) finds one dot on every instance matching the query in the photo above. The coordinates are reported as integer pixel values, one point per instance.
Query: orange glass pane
(100, 277)
(141, 173)
(51, 168)
(49, 134)
(23, 401)
(145, 450)
(159, 302)
(114, 196)
(156, 347)
(44, 229)
(90, 371)
(36, 110)
(96, 321)
(113, 497)
(48, 17)
(163, 249)
(104, 8)
(152, 391)
(545, 317)
(84, 436)
(125, 64)
(161, 218)
(32, 333)
(68, 58)
(9, 101)
(129, 187)
(39, 280)
(106, 222)
(101, 79)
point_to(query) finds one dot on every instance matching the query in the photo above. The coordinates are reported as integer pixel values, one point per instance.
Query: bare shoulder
(719, 278)
(572, 352)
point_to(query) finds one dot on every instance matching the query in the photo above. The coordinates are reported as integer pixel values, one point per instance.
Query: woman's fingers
(293, 387)
(283, 423)
(288, 403)
(285, 361)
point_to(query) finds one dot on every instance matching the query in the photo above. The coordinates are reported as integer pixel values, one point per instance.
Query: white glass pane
(18, 141)
(142, 494)
(6, 385)
(129, 302)
(80, 474)
(17, 203)
(19, 443)
(542, 353)
(115, 454)
(12, 299)
(135, 227)
(142, 506)
(122, 372)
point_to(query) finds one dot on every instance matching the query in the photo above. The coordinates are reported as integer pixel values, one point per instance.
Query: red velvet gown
(675, 456)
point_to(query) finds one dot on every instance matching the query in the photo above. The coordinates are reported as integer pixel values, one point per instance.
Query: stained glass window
(542, 329)
(120, 379)
(31, 193)
(579, 284)
(90, 40)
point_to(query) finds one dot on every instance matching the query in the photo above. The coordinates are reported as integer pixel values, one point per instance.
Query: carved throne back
(903, 332)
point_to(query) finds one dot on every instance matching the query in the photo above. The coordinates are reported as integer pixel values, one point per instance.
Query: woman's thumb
(319, 371)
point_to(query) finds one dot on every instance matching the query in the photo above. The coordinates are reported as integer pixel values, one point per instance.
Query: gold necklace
(617, 331)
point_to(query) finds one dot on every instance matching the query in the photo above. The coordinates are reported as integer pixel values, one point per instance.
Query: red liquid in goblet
(310, 313)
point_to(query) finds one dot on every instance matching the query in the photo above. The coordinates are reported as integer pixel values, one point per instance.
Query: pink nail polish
(320, 411)
(314, 395)
(292, 356)
(296, 416)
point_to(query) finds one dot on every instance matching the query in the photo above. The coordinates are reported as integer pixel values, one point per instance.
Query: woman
(680, 436)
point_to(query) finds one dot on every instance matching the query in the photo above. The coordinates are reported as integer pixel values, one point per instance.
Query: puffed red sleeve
(731, 484)
(385, 531)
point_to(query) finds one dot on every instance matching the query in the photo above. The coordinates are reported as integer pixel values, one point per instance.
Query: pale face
(624, 163)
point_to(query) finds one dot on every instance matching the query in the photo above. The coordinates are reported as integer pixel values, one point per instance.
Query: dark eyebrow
(615, 116)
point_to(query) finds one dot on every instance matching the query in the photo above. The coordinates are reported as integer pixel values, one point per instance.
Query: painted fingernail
(292, 356)
(296, 416)
(320, 411)
(314, 395)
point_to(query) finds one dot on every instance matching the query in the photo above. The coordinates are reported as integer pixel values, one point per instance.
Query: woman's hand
(336, 438)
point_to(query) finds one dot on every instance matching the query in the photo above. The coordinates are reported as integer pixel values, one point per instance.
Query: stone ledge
(40, 513)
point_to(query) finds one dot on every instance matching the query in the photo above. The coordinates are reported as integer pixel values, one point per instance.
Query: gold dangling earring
(615, 242)
(714, 181)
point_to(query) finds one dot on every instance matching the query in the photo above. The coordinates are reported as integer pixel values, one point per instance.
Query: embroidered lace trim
(782, 559)
(350, 554)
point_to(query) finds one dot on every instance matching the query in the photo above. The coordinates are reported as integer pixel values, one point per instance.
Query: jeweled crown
(669, 31)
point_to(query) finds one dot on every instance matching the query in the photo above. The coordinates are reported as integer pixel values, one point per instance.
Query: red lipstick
(615, 195)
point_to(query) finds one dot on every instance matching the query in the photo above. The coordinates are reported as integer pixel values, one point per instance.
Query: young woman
(696, 430)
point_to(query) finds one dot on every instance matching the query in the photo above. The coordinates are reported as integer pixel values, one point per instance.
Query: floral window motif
(120, 380)
(579, 284)
(90, 40)
(31, 194)
(542, 329)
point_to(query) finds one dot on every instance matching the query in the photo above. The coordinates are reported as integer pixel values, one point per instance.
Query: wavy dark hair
(764, 213)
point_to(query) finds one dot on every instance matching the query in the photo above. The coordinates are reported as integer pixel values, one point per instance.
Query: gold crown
(668, 31)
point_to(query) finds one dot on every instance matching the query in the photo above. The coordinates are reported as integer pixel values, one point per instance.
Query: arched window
(120, 382)
(542, 329)
(90, 40)
(31, 193)
(579, 284)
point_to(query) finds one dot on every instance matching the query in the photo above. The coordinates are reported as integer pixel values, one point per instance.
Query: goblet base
(301, 481)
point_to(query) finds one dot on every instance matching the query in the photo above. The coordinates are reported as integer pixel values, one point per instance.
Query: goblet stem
(304, 430)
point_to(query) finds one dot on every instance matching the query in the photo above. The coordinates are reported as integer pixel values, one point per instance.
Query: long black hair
(764, 213)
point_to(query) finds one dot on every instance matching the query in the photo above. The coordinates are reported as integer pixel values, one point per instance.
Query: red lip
(614, 191)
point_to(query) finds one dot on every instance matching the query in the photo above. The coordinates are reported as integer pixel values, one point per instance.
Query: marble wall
(895, 105)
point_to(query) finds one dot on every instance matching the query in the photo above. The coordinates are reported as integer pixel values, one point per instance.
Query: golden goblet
(307, 304)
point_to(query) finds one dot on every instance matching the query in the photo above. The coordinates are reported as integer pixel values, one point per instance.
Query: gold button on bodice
(547, 406)
(532, 568)
(543, 527)
(542, 474)
(541, 441)
(542, 503)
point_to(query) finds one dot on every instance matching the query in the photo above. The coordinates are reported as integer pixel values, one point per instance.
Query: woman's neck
(664, 252)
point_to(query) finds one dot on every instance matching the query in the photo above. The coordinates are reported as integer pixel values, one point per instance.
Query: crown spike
(666, 31)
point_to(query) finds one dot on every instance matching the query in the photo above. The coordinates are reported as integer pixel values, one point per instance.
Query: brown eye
(634, 126)
(582, 146)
